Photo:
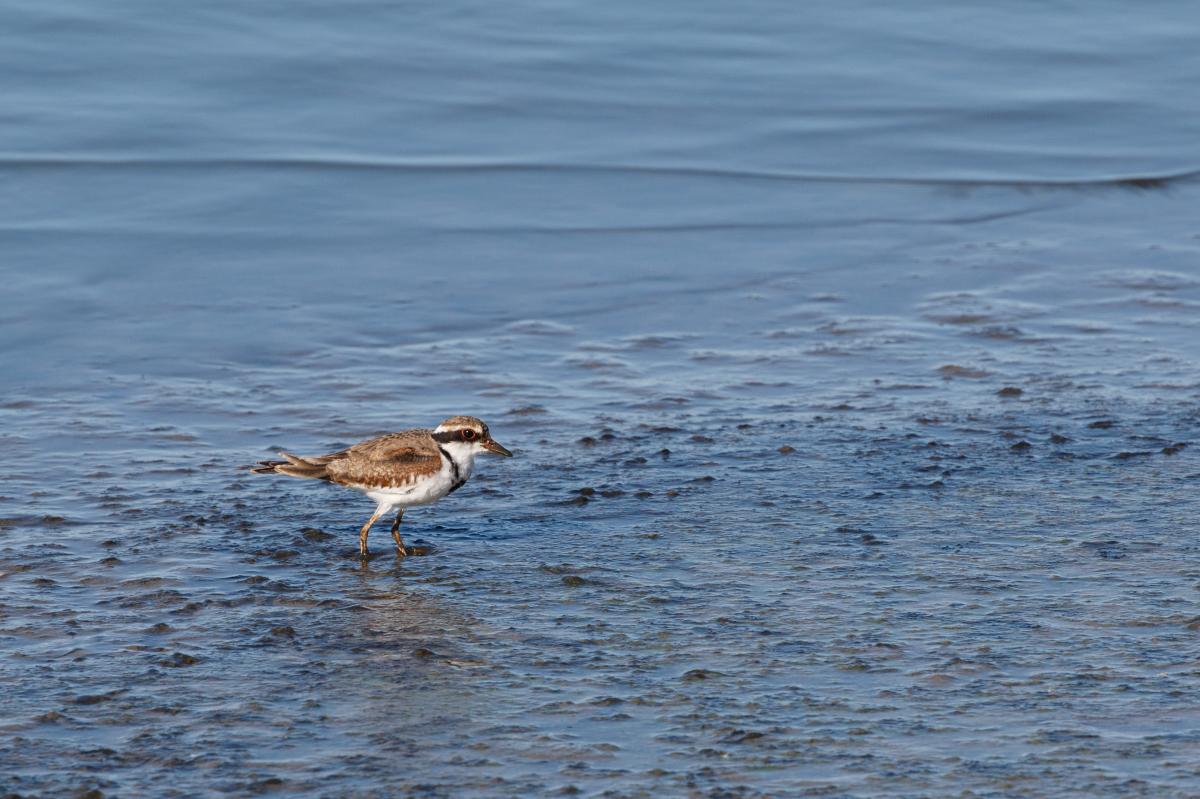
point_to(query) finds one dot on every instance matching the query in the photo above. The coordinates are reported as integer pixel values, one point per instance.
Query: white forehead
(461, 423)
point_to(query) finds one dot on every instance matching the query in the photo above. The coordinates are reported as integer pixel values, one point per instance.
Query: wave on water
(1141, 182)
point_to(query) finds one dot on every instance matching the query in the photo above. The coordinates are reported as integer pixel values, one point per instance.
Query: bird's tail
(294, 466)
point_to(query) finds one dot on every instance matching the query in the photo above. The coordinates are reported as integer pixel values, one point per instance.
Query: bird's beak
(492, 445)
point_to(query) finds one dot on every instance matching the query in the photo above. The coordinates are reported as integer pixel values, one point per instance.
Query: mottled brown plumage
(389, 461)
(392, 460)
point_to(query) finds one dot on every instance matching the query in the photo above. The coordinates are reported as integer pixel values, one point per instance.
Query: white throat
(463, 453)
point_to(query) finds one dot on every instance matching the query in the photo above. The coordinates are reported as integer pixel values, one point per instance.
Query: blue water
(849, 355)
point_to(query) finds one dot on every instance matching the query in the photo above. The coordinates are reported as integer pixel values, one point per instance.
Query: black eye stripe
(465, 434)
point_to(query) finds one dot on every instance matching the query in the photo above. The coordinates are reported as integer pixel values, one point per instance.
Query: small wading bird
(413, 467)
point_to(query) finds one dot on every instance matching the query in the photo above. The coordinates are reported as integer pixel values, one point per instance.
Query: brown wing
(389, 461)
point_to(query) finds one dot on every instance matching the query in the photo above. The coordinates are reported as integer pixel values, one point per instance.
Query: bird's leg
(366, 528)
(396, 533)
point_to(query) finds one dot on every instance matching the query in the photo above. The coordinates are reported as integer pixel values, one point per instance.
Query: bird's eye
(468, 435)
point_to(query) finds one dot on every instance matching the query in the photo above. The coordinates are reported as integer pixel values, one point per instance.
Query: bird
(411, 467)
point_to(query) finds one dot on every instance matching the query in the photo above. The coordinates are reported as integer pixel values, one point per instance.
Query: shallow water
(849, 358)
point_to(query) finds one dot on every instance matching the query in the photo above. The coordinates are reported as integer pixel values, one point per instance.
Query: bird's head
(468, 436)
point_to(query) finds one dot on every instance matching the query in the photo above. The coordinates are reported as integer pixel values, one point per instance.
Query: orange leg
(366, 528)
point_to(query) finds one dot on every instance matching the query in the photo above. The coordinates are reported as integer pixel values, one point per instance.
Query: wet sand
(818, 561)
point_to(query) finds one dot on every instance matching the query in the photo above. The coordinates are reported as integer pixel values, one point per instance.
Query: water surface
(849, 357)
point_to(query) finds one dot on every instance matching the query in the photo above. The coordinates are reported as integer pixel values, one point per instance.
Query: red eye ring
(468, 435)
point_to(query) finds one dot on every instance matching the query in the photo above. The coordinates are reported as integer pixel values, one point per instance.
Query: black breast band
(458, 481)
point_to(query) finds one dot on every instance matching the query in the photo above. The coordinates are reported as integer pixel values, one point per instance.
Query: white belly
(424, 491)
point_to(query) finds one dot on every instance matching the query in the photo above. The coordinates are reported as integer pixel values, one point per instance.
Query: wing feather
(392, 460)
